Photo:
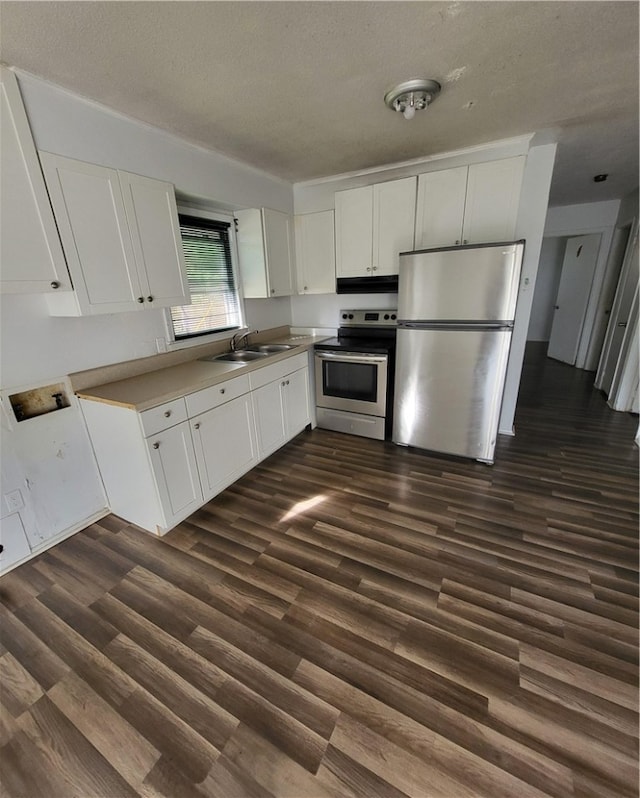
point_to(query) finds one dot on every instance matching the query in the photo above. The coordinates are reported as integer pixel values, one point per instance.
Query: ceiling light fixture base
(412, 95)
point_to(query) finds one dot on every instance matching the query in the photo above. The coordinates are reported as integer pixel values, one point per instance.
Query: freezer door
(461, 283)
(448, 390)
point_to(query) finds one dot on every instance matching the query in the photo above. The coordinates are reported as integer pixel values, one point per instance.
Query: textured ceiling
(296, 88)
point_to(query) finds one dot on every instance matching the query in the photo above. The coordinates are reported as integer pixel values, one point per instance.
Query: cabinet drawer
(163, 416)
(207, 398)
(273, 372)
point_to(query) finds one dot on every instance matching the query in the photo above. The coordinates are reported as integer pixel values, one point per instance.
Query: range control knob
(393, 317)
(351, 315)
(344, 315)
(386, 317)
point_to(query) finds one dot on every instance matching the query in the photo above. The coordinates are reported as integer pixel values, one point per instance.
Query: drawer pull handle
(283, 383)
(55, 284)
(196, 426)
(222, 390)
(167, 413)
(156, 445)
(141, 299)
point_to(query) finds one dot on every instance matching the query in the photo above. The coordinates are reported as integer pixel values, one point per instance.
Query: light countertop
(153, 388)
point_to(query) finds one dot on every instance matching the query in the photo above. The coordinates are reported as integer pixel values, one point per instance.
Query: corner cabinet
(473, 204)
(266, 253)
(160, 465)
(30, 251)
(121, 237)
(315, 253)
(373, 225)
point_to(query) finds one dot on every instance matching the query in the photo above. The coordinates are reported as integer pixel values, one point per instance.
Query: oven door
(355, 381)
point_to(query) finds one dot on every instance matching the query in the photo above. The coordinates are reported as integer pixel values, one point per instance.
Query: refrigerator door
(460, 283)
(448, 389)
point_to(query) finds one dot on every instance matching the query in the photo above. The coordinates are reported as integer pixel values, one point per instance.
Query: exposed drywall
(546, 290)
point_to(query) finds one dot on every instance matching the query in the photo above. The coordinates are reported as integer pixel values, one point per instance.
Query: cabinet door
(30, 250)
(440, 208)
(176, 472)
(315, 253)
(88, 207)
(493, 194)
(278, 242)
(152, 218)
(225, 444)
(296, 401)
(394, 205)
(354, 232)
(271, 425)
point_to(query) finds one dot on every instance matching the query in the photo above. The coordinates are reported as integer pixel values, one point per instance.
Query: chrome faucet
(240, 338)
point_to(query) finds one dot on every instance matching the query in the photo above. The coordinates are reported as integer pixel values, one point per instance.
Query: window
(215, 305)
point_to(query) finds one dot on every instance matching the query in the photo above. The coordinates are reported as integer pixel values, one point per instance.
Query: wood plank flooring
(349, 619)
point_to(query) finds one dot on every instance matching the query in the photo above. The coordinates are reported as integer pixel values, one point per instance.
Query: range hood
(387, 284)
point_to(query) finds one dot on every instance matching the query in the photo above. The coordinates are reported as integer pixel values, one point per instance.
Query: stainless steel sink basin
(270, 348)
(241, 356)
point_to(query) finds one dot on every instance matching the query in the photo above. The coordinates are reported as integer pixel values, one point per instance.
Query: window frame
(174, 343)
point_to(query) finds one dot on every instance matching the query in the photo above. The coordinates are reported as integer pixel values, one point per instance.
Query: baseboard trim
(47, 544)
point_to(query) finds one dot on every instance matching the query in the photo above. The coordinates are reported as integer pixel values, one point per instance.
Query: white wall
(546, 290)
(534, 199)
(56, 471)
(36, 346)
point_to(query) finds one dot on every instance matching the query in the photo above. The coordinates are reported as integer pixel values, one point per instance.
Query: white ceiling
(296, 88)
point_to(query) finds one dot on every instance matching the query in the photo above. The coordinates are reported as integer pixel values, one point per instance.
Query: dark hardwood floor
(349, 619)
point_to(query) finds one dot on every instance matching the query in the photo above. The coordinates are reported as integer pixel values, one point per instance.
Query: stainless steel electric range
(355, 373)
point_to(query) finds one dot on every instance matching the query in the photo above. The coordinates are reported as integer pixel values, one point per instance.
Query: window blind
(214, 297)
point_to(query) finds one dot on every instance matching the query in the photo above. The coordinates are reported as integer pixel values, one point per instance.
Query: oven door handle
(359, 357)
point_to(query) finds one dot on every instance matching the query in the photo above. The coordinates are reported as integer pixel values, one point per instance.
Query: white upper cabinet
(440, 213)
(354, 232)
(394, 211)
(31, 257)
(266, 253)
(493, 195)
(373, 225)
(152, 216)
(121, 237)
(315, 253)
(469, 204)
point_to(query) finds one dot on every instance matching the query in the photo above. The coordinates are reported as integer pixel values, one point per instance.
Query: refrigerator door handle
(455, 325)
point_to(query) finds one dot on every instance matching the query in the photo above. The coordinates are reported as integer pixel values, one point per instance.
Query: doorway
(576, 279)
(618, 334)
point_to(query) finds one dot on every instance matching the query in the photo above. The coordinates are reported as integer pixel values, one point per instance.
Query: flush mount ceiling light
(411, 96)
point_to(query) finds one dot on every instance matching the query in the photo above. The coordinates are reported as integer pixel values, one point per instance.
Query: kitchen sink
(270, 348)
(241, 356)
(254, 352)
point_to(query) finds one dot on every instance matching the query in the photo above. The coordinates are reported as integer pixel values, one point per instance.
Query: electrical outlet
(14, 501)
(161, 345)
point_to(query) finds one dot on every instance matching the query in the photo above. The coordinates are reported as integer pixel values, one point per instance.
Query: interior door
(627, 289)
(578, 268)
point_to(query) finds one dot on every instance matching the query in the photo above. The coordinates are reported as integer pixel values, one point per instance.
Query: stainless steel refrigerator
(456, 307)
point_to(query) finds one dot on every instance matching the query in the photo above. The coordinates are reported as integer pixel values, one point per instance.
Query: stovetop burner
(365, 330)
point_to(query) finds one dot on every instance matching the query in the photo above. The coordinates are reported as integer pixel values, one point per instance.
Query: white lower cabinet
(225, 444)
(160, 465)
(176, 472)
(280, 394)
(268, 405)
